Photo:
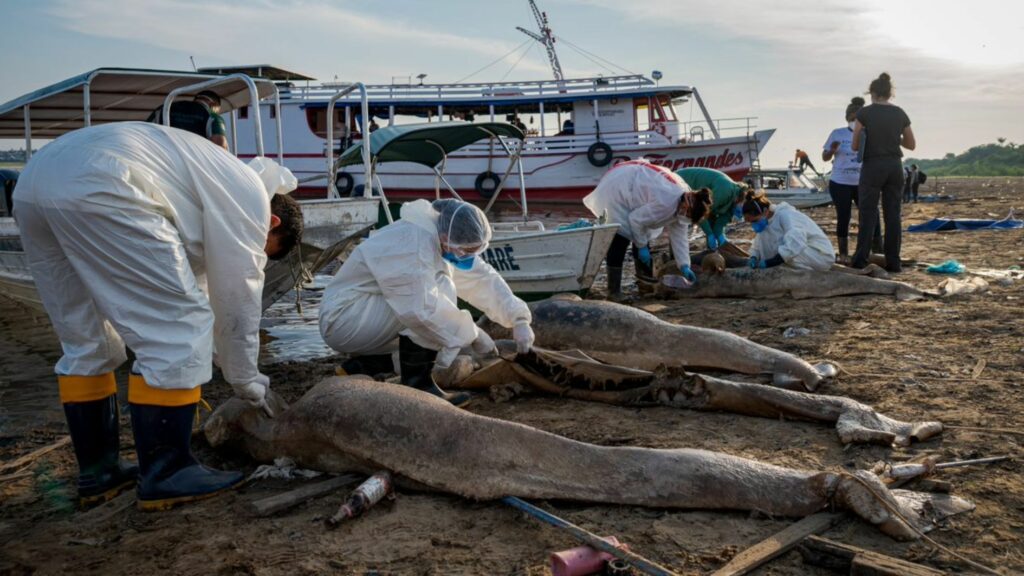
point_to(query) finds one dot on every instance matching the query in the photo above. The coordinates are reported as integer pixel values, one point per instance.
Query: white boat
(536, 262)
(577, 128)
(116, 95)
(789, 185)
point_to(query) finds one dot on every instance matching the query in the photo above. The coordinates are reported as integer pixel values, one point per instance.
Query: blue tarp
(942, 224)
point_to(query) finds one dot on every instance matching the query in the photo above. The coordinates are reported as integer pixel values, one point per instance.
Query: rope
(896, 512)
(589, 54)
(303, 277)
(527, 51)
(502, 57)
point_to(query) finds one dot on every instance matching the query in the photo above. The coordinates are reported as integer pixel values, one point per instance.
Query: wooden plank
(779, 543)
(107, 510)
(278, 502)
(31, 456)
(834, 555)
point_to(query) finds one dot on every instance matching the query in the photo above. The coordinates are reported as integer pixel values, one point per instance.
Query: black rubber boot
(417, 364)
(370, 365)
(94, 433)
(614, 283)
(844, 247)
(168, 473)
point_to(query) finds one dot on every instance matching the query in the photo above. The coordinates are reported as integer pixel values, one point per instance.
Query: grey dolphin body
(356, 424)
(783, 282)
(626, 336)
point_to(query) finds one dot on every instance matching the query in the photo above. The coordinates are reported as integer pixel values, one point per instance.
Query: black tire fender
(599, 154)
(486, 184)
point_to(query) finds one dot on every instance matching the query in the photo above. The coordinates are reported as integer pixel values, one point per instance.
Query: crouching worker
(154, 238)
(643, 199)
(785, 235)
(400, 289)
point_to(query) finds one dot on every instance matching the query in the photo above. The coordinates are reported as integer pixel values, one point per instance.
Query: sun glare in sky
(979, 32)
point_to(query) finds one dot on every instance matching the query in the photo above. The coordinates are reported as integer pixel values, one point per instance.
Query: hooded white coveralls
(794, 236)
(643, 199)
(396, 282)
(152, 237)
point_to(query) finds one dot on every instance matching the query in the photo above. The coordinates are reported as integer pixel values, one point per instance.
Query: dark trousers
(617, 255)
(880, 178)
(844, 197)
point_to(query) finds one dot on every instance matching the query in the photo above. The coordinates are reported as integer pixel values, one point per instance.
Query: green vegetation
(1000, 159)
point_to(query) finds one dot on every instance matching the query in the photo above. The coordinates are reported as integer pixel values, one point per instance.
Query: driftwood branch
(32, 456)
(278, 502)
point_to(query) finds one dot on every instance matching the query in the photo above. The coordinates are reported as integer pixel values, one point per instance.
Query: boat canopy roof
(114, 95)
(257, 70)
(426, 144)
(478, 97)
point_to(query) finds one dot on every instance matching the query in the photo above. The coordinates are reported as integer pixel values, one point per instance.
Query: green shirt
(724, 195)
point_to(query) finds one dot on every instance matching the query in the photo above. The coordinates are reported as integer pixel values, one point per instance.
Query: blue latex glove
(755, 262)
(712, 242)
(688, 273)
(645, 255)
(722, 240)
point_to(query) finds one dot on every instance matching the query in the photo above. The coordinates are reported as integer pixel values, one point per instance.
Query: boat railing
(484, 90)
(697, 130)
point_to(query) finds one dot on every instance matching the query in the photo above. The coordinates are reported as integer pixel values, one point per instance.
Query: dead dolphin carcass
(785, 282)
(356, 424)
(626, 336)
(573, 374)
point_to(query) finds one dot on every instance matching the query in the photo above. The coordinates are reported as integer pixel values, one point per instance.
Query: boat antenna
(193, 61)
(545, 37)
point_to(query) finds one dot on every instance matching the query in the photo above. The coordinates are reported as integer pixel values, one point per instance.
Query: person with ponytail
(844, 179)
(644, 199)
(879, 132)
(785, 235)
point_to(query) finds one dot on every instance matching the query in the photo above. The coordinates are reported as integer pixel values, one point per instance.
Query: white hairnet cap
(464, 224)
(276, 178)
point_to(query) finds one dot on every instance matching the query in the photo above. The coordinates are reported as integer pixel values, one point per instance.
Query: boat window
(316, 120)
(243, 112)
(642, 107)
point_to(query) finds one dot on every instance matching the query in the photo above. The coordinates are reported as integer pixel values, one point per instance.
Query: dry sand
(918, 360)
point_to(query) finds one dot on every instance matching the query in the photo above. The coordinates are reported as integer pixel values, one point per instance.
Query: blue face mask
(760, 225)
(737, 212)
(462, 263)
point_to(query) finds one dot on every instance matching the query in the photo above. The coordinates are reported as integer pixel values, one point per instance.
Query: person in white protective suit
(404, 283)
(644, 199)
(155, 238)
(785, 235)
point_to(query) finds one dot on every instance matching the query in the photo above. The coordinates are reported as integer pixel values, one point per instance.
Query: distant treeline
(999, 159)
(12, 155)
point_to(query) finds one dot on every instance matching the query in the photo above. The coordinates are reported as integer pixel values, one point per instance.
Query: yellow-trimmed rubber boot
(168, 473)
(90, 407)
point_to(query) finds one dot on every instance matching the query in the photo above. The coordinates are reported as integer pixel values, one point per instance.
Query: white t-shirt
(845, 167)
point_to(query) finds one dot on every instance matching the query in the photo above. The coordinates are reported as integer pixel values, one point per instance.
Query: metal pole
(541, 119)
(254, 99)
(704, 110)
(449, 186)
(28, 135)
(234, 131)
(280, 132)
(522, 178)
(391, 115)
(87, 103)
(589, 538)
(332, 190)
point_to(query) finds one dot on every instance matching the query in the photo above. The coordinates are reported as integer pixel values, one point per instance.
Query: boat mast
(544, 38)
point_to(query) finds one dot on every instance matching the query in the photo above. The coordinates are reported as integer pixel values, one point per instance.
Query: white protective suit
(643, 199)
(153, 235)
(794, 236)
(396, 282)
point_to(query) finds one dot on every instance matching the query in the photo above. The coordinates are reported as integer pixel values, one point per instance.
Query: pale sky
(958, 67)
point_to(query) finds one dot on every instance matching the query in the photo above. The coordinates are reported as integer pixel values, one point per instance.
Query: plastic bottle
(373, 490)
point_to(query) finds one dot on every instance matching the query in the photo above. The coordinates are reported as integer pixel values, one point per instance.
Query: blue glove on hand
(722, 240)
(712, 242)
(645, 255)
(688, 273)
(756, 263)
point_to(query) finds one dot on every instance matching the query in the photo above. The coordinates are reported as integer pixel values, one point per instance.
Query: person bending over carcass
(726, 197)
(151, 237)
(643, 199)
(400, 288)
